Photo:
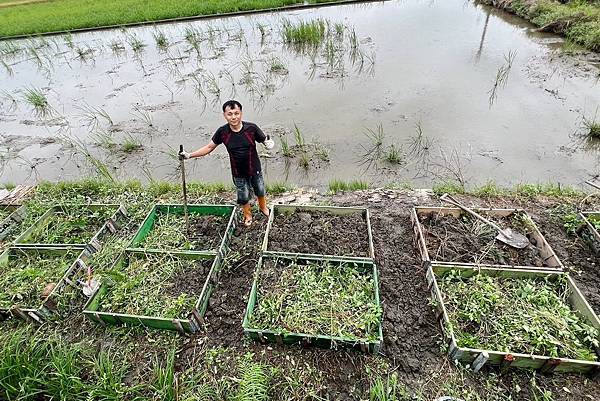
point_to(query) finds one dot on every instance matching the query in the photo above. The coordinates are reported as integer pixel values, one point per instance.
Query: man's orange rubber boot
(262, 205)
(247, 214)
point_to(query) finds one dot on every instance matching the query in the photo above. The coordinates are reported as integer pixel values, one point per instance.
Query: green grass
(36, 99)
(303, 34)
(578, 20)
(25, 274)
(336, 186)
(277, 188)
(524, 315)
(65, 15)
(592, 127)
(316, 299)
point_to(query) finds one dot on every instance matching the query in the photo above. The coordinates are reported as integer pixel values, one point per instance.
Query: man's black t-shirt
(241, 147)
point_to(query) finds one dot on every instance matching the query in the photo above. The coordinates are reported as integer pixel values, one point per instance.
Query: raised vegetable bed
(325, 302)
(449, 236)
(71, 226)
(11, 216)
(31, 279)
(167, 291)
(342, 232)
(164, 229)
(515, 317)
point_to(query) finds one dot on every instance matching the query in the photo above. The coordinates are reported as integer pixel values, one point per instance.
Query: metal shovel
(505, 235)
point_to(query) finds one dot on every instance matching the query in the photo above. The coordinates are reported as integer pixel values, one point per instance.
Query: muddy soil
(319, 232)
(207, 231)
(465, 239)
(189, 281)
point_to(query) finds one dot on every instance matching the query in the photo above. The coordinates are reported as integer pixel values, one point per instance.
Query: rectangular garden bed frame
(191, 324)
(588, 232)
(477, 357)
(18, 215)
(323, 341)
(202, 209)
(46, 310)
(109, 225)
(339, 210)
(546, 251)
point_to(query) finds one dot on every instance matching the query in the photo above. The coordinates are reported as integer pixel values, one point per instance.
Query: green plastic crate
(190, 324)
(7, 224)
(324, 341)
(477, 357)
(46, 309)
(588, 231)
(278, 209)
(227, 211)
(25, 239)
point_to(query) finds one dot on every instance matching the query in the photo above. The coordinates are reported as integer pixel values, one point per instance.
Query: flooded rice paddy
(410, 90)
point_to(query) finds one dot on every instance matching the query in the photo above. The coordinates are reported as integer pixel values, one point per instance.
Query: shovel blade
(512, 238)
(89, 288)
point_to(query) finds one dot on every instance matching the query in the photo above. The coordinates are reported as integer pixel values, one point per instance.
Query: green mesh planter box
(10, 218)
(369, 341)
(366, 246)
(146, 238)
(479, 357)
(588, 230)
(22, 268)
(546, 253)
(188, 321)
(102, 216)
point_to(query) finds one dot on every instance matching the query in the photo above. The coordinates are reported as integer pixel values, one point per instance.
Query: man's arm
(203, 151)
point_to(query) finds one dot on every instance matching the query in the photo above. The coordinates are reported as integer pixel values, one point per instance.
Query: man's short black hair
(231, 104)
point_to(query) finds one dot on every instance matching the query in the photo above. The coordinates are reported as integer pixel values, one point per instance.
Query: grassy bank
(577, 20)
(61, 15)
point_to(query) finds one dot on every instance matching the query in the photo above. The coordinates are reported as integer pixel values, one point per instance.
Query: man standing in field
(240, 137)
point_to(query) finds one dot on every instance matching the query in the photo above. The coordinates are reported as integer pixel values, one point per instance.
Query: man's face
(233, 115)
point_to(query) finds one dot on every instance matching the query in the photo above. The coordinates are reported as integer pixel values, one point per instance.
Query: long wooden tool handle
(447, 198)
(185, 202)
(593, 184)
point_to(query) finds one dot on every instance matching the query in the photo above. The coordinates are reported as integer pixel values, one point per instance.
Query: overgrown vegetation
(26, 275)
(336, 186)
(145, 285)
(578, 20)
(530, 316)
(316, 299)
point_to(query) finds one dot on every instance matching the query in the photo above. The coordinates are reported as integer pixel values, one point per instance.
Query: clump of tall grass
(336, 186)
(161, 40)
(36, 98)
(592, 128)
(305, 34)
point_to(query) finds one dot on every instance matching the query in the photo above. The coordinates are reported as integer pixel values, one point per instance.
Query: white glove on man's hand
(184, 155)
(269, 143)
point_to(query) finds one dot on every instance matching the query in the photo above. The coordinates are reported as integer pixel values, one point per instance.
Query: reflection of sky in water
(424, 72)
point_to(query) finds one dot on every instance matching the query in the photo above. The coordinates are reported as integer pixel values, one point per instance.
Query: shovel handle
(593, 184)
(449, 199)
(185, 202)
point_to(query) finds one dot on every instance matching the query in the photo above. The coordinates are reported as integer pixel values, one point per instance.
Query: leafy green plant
(522, 315)
(254, 383)
(317, 298)
(39, 102)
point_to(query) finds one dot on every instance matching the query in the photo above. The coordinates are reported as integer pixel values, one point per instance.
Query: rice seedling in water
(39, 102)
(502, 76)
(143, 115)
(373, 151)
(394, 154)
(212, 84)
(275, 65)
(524, 315)
(9, 98)
(136, 44)
(26, 274)
(318, 298)
(286, 151)
(592, 127)
(299, 137)
(92, 115)
(322, 152)
(304, 160)
(116, 46)
(130, 145)
(10, 48)
(7, 66)
(68, 40)
(84, 54)
(304, 35)
(162, 43)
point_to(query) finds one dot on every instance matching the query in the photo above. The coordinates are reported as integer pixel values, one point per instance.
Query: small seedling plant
(317, 298)
(158, 285)
(529, 316)
(169, 232)
(71, 225)
(26, 275)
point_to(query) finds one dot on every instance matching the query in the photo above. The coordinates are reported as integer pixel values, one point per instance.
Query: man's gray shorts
(243, 185)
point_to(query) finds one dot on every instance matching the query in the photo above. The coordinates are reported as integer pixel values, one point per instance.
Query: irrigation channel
(398, 90)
